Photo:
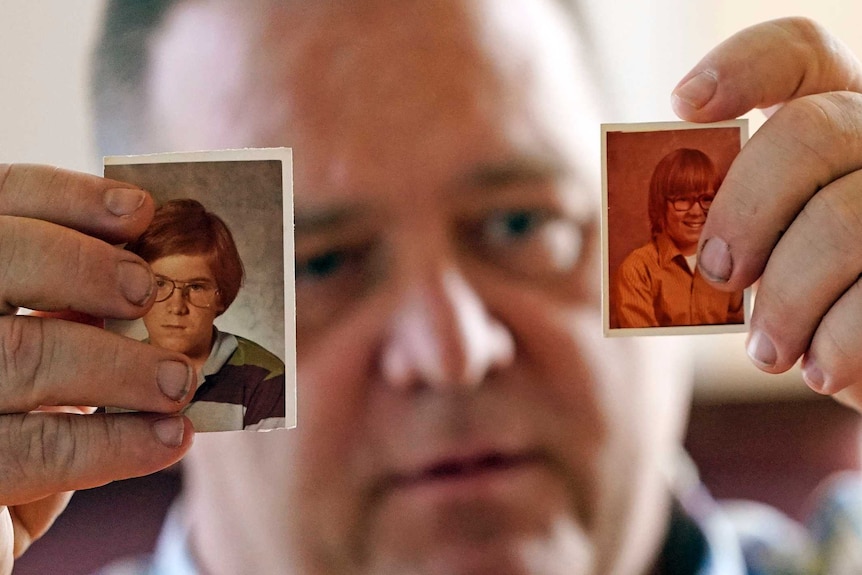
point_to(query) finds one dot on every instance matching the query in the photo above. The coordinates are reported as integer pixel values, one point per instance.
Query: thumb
(764, 66)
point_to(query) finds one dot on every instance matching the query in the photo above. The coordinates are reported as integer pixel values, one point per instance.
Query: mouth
(463, 475)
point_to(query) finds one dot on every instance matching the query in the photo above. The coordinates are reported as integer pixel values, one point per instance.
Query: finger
(107, 209)
(48, 267)
(808, 271)
(42, 454)
(832, 363)
(7, 540)
(807, 144)
(32, 520)
(766, 65)
(49, 362)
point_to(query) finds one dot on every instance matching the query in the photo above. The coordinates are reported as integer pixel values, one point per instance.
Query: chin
(473, 539)
(504, 557)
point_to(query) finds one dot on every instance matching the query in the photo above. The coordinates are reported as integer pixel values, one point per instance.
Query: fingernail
(170, 431)
(698, 90)
(174, 379)
(715, 261)
(761, 350)
(136, 282)
(813, 375)
(123, 202)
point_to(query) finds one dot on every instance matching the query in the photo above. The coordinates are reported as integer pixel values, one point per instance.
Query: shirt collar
(667, 251)
(172, 555)
(224, 344)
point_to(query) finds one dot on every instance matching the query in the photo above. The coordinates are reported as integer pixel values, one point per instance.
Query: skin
(684, 227)
(175, 324)
(475, 372)
(455, 348)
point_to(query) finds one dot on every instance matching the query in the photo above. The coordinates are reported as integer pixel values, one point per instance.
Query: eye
(512, 226)
(320, 266)
(197, 287)
(329, 281)
(161, 282)
(530, 242)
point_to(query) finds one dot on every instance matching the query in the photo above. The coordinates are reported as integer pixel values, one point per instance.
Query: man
(458, 410)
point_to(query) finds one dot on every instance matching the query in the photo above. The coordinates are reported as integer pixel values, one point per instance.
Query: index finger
(764, 66)
(812, 140)
(107, 209)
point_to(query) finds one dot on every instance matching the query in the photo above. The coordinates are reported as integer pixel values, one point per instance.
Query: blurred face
(177, 323)
(459, 411)
(685, 218)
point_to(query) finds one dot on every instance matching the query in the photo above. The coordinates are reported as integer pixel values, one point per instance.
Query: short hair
(681, 172)
(185, 227)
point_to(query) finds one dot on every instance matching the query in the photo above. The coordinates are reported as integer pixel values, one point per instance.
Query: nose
(442, 336)
(696, 209)
(177, 303)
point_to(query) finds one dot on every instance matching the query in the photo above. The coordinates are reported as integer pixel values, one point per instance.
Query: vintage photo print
(658, 183)
(221, 248)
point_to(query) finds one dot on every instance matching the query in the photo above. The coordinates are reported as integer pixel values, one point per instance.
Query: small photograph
(221, 247)
(659, 182)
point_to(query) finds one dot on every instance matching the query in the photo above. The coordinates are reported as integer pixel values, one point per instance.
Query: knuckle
(51, 446)
(36, 449)
(22, 358)
(833, 221)
(17, 187)
(42, 453)
(841, 335)
(808, 31)
(824, 129)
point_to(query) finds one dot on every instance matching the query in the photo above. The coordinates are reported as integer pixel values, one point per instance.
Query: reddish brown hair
(682, 172)
(185, 227)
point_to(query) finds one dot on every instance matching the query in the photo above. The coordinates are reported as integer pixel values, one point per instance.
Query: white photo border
(742, 125)
(285, 156)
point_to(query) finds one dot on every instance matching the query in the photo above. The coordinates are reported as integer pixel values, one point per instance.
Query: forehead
(376, 94)
(183, 267)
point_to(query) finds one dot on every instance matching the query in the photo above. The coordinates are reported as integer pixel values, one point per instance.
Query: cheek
(151, 318)
(334, 371)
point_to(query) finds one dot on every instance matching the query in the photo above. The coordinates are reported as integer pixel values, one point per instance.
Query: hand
(790, 209)
(55, 227)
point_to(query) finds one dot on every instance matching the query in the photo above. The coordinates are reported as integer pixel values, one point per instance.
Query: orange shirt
(655, 287)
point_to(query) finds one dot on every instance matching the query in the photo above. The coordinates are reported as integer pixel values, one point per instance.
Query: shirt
(655, 287)
(704, 537)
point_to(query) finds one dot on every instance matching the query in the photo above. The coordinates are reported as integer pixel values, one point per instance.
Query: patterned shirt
(655, 287)
(241, 386)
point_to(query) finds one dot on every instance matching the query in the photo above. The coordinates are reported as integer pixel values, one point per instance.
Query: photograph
(659, 181)
(220, 245)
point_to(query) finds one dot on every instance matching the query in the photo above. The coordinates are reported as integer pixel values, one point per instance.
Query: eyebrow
(491, 176)
(320, 219)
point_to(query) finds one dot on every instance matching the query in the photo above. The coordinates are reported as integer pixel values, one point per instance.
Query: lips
(485, 465)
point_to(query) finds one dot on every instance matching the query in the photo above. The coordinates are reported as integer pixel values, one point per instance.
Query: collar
(172, 555)
(224, 344)
(667, 251)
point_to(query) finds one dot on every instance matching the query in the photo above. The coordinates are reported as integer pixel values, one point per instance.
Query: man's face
(181, 322)
(459, 411)
(685, 218)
